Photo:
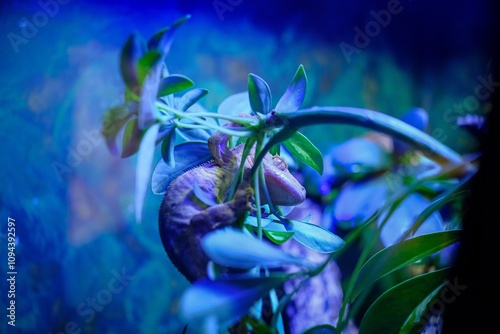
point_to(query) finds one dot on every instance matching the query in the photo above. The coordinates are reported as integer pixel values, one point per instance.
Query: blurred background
(81, 260)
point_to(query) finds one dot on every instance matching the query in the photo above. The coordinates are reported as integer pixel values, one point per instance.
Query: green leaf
(131, 139)
(145, 64)
(278, 237)
(415, 323)
(295, 93)
(258, 327)
(321, 329)
(389, 312)
(144, 162)
(173, 84)
(401, 254)
(303, 150)
(113, 121)
(187, 155)
(315, 237)
(259, 94)
(227, 300)
(168, 147)
(132, 51)
(190, 98)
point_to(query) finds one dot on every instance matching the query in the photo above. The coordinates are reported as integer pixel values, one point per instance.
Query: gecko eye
(280, 163)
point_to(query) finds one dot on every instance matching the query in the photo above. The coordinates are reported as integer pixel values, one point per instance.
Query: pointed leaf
(295, 93)
(132, 51)
(389, 312)
(131, 140)
(235, 249)
(187, 155)
(173, 84)
(162, 40)
(145, 64)
(401, 254)
(113, 121)
(315, 237)
(303, 150)
(226, 299)
(148, 111)
(193, 134)
(167, 148)
(144, 162)
(190, 98)
(259, 94)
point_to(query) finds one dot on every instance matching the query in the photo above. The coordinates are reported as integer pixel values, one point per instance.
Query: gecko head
(283, 187)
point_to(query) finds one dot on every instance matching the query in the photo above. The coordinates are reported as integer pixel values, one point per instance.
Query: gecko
(184, 219)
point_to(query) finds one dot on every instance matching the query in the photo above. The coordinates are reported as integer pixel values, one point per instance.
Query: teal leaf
(113, 121)
(234, 105)
(389, 312)
(173, 84)
(401, 254)
(190, 98)
(162, 40)
(168, 147)
(187, 155)
(132, 51)
(259, 94)
(235, 249)
(194, 134)
(303, 150)
(321, 329)
(144, 162)
(131, 139)
(227, 300)
(295, 93)
(146, 64)
(201, 195)
(252, 221)
(315, 237)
